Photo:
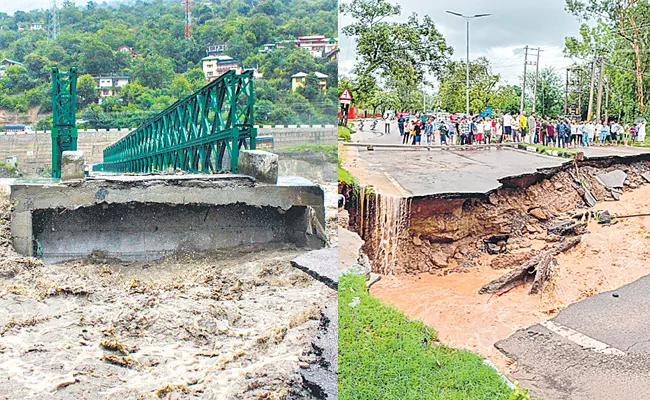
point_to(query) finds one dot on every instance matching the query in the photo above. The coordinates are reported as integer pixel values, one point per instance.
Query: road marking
(581, 339)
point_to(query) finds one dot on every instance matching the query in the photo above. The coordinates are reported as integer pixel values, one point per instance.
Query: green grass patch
(385, 355)
(9, 167)
(345, 176)
(344, 134)
(330, 150)
(548, 149)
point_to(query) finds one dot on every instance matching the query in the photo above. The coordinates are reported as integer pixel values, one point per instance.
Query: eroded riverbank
(439, 278)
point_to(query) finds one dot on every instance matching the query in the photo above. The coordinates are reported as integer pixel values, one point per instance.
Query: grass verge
(344, 176)
(385, 355)
(548, 149)
(344, 134)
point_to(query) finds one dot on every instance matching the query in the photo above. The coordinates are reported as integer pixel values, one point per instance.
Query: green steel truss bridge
(199, 133)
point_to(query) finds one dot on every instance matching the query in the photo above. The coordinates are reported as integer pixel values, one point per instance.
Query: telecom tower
(54, 22)
(188, 19)
(573, 92)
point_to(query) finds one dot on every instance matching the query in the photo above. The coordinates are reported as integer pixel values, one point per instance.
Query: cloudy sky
(501, 37)
(9, 6)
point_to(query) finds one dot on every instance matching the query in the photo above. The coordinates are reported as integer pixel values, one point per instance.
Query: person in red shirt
(550, 131)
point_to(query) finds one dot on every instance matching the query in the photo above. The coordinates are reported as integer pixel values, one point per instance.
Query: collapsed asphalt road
(598, 348)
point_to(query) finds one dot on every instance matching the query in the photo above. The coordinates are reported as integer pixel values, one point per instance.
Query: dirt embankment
(227, 325)
(451, 230)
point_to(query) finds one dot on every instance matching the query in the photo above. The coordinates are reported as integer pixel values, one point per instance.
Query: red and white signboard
(345, 96)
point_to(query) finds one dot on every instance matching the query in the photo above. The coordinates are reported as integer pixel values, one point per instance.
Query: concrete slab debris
(589, 198)
(259, 164)
(321, 377)
(646, 176)
(72, 165)
(613, 179)
(321, 264)
(157, 215)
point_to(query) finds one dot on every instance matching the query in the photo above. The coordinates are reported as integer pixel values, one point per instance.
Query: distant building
(317, 46)
(299, 79)
(216, 49)
(215, 66)
(6, 63)
(332, 55)
(110, 85)
(126, 49)
(36, 27)
(256, 73)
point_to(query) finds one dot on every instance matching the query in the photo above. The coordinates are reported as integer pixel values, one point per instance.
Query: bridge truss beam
(199, 133)
(64, 107)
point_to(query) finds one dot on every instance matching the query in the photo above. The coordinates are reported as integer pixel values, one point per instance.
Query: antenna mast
(54, 21)
(188, 19)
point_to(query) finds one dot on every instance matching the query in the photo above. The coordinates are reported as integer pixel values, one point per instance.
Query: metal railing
(195, 134)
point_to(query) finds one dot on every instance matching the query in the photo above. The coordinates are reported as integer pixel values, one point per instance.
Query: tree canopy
(167, 65)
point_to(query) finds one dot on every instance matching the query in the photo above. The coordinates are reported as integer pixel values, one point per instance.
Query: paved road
(423, 172)
(595, 349)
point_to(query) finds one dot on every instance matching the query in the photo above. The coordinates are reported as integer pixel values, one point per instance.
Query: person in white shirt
(640, 136)
(591, 132)
(532, 128)
(598, 128)
(507, 126)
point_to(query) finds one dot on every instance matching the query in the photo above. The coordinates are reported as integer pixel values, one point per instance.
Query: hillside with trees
(167, 65)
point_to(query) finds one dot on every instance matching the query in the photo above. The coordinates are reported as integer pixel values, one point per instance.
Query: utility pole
(523, 87)
(606, 99)
(536, 78)
(566, 92)
(590, 108)
(600, 87)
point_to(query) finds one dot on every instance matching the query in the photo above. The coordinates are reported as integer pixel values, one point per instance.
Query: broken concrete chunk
(72, 165)
(589, 198)
(613, 179)
(356, 269)
(259, 164)
(616, 195)
(604, 218)
(646, 176)
(320, 264)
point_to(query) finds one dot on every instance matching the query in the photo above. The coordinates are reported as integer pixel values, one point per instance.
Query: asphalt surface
(423, 172)
(553, 365)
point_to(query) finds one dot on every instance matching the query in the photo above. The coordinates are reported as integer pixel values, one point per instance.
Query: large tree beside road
(390, 51)
(622, 41)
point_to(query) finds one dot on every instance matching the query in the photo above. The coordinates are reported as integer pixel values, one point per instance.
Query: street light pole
(467, 18)
(467, 73)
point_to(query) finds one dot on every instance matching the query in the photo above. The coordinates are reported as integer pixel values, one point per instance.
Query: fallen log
(528, 268)
(543, 273)
(568, 229)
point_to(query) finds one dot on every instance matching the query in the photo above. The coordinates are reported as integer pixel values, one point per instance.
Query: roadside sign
(345, 95)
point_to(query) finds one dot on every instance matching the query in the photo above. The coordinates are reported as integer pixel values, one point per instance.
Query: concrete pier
(146, 217)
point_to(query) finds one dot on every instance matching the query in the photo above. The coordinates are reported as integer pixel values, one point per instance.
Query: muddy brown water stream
(228, 325)
(608, 257)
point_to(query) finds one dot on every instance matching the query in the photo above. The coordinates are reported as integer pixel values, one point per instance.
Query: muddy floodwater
(608, 257)
(227, 325)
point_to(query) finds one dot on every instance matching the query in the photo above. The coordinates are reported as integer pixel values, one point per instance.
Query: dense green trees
(167, 65)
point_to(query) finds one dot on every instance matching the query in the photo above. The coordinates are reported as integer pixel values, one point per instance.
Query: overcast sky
(9, 6)
(501, 37)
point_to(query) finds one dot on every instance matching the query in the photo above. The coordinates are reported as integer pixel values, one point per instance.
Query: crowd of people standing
(560, 133)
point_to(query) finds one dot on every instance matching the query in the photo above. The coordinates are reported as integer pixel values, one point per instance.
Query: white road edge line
(581, 339)
(505, 379)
